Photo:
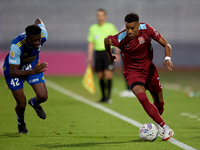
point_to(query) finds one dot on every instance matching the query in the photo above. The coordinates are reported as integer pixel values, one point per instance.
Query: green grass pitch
(71, 124)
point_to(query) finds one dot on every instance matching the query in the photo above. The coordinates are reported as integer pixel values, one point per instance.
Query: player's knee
(21, 105)
(43, 97)
(147, 105)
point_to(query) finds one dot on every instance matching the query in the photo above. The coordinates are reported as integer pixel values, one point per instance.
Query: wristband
(168, 58)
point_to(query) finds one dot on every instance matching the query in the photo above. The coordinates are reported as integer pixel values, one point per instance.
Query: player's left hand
(40, 67)
(168, 64)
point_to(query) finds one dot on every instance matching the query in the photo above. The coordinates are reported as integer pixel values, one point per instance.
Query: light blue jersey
(26, 57)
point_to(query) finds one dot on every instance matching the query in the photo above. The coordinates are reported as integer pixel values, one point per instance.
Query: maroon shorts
(148, 77)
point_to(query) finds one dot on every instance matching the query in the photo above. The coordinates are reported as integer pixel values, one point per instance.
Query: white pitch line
(66, 92)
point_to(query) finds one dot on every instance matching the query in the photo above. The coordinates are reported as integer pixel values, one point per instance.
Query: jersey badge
(42, 35)
(141, 40)
(12, 54)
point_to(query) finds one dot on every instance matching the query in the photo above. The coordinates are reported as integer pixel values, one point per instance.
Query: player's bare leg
(41, 92)
(20, 109)
(41, 96)
(138, 89)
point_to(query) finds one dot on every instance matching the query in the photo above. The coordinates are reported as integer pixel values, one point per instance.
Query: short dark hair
(101, 9)
(132, 17)
(33, 30)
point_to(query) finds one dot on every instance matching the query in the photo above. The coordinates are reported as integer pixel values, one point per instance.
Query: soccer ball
(148, 132)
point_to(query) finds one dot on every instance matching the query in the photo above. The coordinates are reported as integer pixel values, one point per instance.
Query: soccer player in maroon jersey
(140, 72)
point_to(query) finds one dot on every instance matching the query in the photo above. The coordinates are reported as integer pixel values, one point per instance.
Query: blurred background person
(102, 65)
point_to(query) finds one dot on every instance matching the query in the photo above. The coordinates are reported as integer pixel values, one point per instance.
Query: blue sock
(33, 102)
(20, 120)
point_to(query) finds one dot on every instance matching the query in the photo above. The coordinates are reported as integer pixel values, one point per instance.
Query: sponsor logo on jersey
(13, 61)
(156, 32)
(141, 40)
(42, 35)
(33, 80)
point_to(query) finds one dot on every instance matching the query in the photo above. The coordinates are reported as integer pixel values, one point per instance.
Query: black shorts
(102, 61)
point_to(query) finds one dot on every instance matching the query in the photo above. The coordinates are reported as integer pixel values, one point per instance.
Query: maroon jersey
(137, 53)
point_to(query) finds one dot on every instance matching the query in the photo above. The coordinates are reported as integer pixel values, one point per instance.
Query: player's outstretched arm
(16, 73)
(168, 53)
(107, 45)
(38, 21)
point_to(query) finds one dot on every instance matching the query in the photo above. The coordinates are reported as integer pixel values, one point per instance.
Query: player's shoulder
(19, 40)
(44, 33)
(121, 35)
(144, 26)
(123, 31)
(41, 25)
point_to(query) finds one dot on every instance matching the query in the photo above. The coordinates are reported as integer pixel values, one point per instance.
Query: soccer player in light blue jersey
(22, 63)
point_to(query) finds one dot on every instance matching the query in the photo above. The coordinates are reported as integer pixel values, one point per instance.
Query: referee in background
(103, 67)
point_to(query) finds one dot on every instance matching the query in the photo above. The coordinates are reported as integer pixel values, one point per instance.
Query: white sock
(166, 127)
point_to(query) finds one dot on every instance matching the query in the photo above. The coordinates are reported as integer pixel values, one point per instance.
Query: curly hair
(33, 30)
(132, 17)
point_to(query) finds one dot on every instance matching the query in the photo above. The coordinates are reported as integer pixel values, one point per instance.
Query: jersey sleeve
(14, 56)
(44, 33)
(153, 33)
(116, 39)
(90, 35)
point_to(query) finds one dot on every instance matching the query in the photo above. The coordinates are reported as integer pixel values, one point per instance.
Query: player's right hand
(168, 64)
(113, 58)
